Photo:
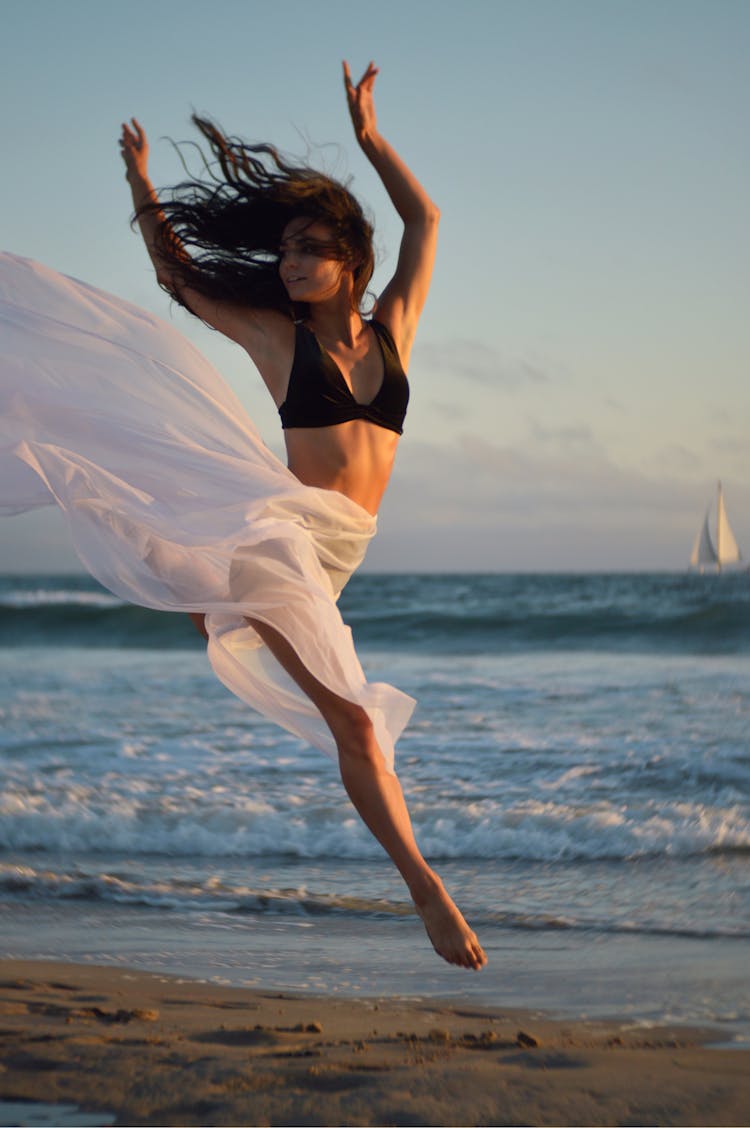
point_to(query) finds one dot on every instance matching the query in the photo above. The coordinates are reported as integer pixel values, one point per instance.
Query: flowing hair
(221, 236)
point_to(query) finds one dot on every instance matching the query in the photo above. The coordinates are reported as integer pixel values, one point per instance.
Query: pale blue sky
(582, 373)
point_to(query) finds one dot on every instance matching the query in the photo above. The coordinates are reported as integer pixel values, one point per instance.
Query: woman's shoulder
(389, 328)
(268, 337)
(241, 323)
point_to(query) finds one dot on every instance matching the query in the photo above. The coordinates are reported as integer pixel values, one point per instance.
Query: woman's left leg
(376, 793)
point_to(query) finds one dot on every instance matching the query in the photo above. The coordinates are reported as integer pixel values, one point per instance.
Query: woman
(277, 259)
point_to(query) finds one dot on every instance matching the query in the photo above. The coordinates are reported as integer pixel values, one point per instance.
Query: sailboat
(707, 557)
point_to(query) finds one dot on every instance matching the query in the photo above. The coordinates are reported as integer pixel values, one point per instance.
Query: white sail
(728, 551)
(703, 550)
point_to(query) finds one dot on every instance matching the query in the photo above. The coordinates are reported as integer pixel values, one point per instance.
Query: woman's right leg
(199, 622)
(377, 796)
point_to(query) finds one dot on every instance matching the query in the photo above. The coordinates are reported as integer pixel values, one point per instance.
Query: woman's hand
(134, 150)
(361, 104)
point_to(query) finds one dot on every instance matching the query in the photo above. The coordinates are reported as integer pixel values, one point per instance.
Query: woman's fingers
(369, 76)
(350, 88)
(360, 100)
(365, 81)
(133, 136)
(134, 147)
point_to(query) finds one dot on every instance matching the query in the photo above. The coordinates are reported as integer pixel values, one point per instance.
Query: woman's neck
(334, 319)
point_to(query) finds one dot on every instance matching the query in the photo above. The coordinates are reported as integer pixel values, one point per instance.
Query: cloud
(448, 410)
(558, 501)
(674, 458)
(465, 359)
(575, 434)
(728, 444)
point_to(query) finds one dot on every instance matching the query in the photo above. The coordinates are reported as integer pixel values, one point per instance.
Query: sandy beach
(134, 1048)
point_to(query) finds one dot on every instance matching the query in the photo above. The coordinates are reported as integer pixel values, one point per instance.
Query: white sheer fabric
(172, 498)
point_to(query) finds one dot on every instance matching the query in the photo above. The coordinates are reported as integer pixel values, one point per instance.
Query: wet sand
(150, 1049)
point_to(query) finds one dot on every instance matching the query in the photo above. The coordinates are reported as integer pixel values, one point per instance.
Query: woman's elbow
(426, 216)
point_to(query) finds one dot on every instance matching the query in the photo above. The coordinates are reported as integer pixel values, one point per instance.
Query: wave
(456, 614)
(137, 824)
(216, 896)
(721, 628)
(211, 894)
(96, 623)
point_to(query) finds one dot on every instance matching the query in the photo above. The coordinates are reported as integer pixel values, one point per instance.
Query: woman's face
(306, 267)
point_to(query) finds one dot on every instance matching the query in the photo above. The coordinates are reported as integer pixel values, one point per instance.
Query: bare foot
(450, 934)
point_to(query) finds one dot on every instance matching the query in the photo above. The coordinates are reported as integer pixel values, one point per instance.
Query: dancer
(181, 507)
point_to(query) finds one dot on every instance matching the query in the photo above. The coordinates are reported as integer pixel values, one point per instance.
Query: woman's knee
(355, 736)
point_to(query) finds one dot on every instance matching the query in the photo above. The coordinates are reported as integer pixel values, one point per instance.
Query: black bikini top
(319, 396)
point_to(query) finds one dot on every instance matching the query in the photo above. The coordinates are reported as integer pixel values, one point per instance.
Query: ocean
(578, 771)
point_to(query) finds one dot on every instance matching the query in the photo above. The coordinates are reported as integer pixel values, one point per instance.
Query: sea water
(578, 770)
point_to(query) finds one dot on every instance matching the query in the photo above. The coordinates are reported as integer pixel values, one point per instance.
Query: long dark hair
(221, 236)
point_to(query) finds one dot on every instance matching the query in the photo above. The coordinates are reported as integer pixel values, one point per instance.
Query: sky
(581, 377)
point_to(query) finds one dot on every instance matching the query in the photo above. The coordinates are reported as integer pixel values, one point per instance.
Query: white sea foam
(56, 597)
(221, 823)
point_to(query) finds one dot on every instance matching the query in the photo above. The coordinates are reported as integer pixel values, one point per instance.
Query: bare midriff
(354, 458)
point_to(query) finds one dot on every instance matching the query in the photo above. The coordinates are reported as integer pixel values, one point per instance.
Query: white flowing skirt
(172, 498)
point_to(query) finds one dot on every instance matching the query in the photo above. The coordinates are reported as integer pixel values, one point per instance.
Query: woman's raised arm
(401, 303)
(257, 331)
(134, 152)
(228, 319)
